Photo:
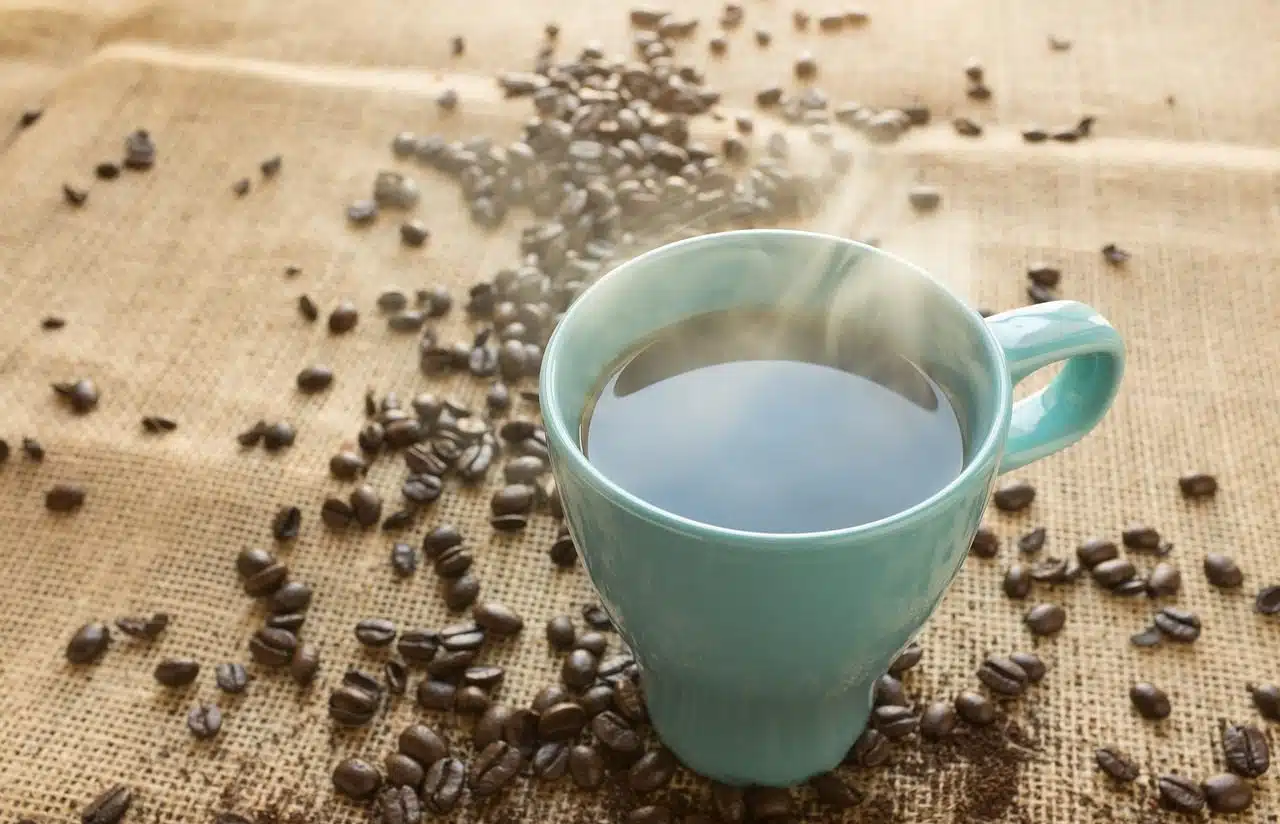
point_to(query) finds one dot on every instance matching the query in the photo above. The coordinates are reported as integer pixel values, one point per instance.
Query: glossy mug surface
(758, 652)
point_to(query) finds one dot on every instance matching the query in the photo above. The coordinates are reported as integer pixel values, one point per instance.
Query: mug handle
(1064, 411)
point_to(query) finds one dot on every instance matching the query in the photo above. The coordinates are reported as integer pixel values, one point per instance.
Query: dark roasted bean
(975, 708)
(613, 731)
(653, 770)
(1033, 541)
(109, 807)
(894, 721)
(1198, 485)
(1014, 496)
(1045, 619)
(497, 618)
(305, 665)
(1246, 750)
(1164, 580)
(1140, 537)
(985, 544)
(1178, 624)
(443, 785)
(273, 647)
(422, 744)
(1267, 601)
(356, 779)
(1017, 581)
(1001, 675)
(493, 769)
(1180, 794)
(551, 760)
(231, 678)
(1222, 572)
(1113, 573)
(579, 669)
(1227, 793)
(88, 644)
(403, 771)
(177, 672)
(1116, 764)
(436, 695)
(1097, 551)
(204, 721)
(1150, 701)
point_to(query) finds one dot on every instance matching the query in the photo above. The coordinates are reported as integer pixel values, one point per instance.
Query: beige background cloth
(176, 303)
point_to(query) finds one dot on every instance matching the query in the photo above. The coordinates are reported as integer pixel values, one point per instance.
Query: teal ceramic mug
(758, 653)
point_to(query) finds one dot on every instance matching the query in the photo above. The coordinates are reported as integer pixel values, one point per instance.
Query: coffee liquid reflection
(769, 422)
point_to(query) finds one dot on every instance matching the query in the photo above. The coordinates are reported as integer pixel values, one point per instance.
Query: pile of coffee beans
(608, 165)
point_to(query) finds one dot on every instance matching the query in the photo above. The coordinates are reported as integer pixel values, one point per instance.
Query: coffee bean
(834, 792)
(1149, 637)
(177, 672)
(343, 318)
(64, 498)
(1150, 701)
(1033, 541)
(487, 678)
(398, 805)
(579, 669)
(353, 706)
(471, 700)
(654, 770)
(420, 490)
(889, 691)
(143, 628)
(109, 807)
(204, 721)
(649, 814)
(286, 523)
(494, 768)
(439, 539)
(241, 187)
(251, 561)
(596, 618)
(975, 708)
(563, 553)
(1140, 537)
(497, 618)
(1180, 794)
(231, 678)
(907, 659)
(894, 722)
(593, 642)
(548, 697)
(436, 695)
(768, 802)
(1035, 134)
(596, 699)
(139, 150)
(615, 733)
(1198, 485)
(404, 560)
(1267, 601)
(1114, 255)
(462, 637)
(1246, 750)
(1001, 675)
(461, 592)
(561, 721)
(453, 563)
(1116, 764)
(1178, 624)
(397, 677)
(362, 680)
(1227, 793)
(938, 720)
(266, 581)
(1165, 579)
(924, 198)
(966, 127)
(551, 760)
(293, 596)
(1040, 294)
(278, 435)
(443, 785)
(1054, 571)
(273, 647)
(1266, 699)
(356, 779)
(1042, 274)
(1014, 496)
(513, 499)
(1031, 665)
(305, 665)
(366, 505)
(1017, 581)
(152, 424)
(307, 308)
(978, 91)
(1045, 619)
(347, 466)
(291, 621)
(871, 749)
(985, 543)
(106, 171)
(1222, 572)
(1113, 573)
(88, 643)
(375, 632)
(422, 744)
(336, 513)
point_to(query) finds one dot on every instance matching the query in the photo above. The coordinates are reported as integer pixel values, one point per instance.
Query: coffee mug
(759, 653)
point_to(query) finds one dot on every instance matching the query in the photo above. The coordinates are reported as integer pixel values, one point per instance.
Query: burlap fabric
(177, 305)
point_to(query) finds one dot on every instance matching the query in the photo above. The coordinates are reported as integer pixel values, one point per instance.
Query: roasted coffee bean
(524, 470)
(270, 167)
(279, 435)
(410, 320)
(471, 700)
(453, 563)
(563, 553)
(375, 632)
(286, 523)
(343, 318)
(443, 785)
(461, 592)
(593, 642)
(561, 721)
(1266, 699)
(834, 792)
(1097, 551)
(353, 706)
(177, 672)
(1180, 794)
(1001, 675)
(1165, 579)
(305, 665)
(521, 730)
(551, 760)
(548, 697)
(309, 311)
(1014, 496)
(1150, 701)
(315, 379)
(1114, 255)
(347, 466)
(613, 731)
(366, 505)
(362, 212)
(143, 628)
(204, 721)
(362, 680)
(561, 633)
(1042, 274)
(397, 677)
(404, 560)
(356, 779)
(1140, 537)
(579, 669)
(924, 199)
(975, 708)
(1113, 573)
(729, 803)
(1116, 764)
(497, 618)
(106, 171)
(252, 561)
(514, 499)
(907, 659)
(231, 678)
(336, 513)
(64, 498)
(1246, 750)
(1045, 619)
(1040, 294)
(894, 722)
(768, 802)
(491, 726)
(1222, 572)
(420, 746)
(494, 768)
(1267, 601)
(1031, 665)
(109, 807)
(938, 720)
(81, 395)
(1033, 541)
(414, 233)
(439, 539)
(1198, 485)
(628, 698)
(1227, 793)
(872, 749)
(266, 581)
(88, 643)
(596, 699)
(1178, 624)
(966, 127)
(398, 805)
(487, 678)
(139, 150)
(293, 596)
(889, 691)
(498, 398)
(420, 490)
(1017, 581)
(273, 647)
(654, 770)
(1149, 637)
(398, 520)
(436, 695)
(153, 424)
(596, 618)
(462, 637)
(1053, 571)
(985, 543)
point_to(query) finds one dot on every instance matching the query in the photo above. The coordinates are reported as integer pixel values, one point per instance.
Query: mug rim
(571, 449)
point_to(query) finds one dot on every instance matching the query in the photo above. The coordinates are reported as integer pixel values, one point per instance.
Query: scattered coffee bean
(1033, 541)
(1180, 794)
(343, 318)
(354, 706)
(278, 435)
(241, 187)
(497, 618)
(1222, 572)
(88, 644)
(907, 659)
(1096, 551)
(1150, 701)
(593, 642)
(551, 760)
(397, 677)
(270, 167)
(1034, 134)
(985, 543)
(366, 506)
(561, 721)
(652, 771)
(938, 720)
(143, 628)
(894, 721)
(579, 669)
(1116, 764)
(966, 127)
(273, 647)
(1113, 573)
(889, 691)
(494, 768)
(1045, 619)
(1014, 496)
(266, 580)
(442, 788)
(315, 379)
(1198, 485)
(461, 592)
(1042, 274)
(1178, 624)
(1266, 699)
(561, 633)
(1164, 580)
(204, 721)
(231, 678)
(1017, 581)
(305, 665)
(1246, 750)
(81, 395)
(436, 695)
(158, 424)
(1227, 793)
(177, 672)
(1267, 601)
(375, 632)
(1149, 637)
(975, 708)
(924, 198)
(1141, 538)
(615, 733)
(356, 779)
(74, 195)
(109, 807)
(1001, 675)
(1114, 255)
(422, 744)
(293, 596)
(1031, 665)
(139, 150)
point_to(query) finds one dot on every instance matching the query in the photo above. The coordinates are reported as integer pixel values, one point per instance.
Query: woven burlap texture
(177, 305)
